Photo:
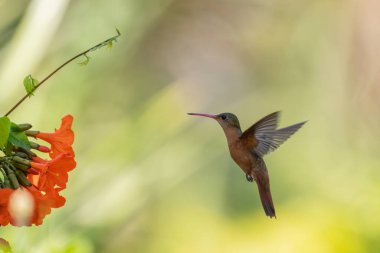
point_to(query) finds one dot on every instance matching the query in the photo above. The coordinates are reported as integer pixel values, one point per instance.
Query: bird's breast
(241, 156)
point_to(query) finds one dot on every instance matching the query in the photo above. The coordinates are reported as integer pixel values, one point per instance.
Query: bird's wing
(259, 136)
(263, 137)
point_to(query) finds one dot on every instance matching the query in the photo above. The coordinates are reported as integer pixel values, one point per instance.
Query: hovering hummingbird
(248, 148)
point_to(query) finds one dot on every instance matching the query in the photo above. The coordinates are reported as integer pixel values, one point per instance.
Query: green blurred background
(152, 179)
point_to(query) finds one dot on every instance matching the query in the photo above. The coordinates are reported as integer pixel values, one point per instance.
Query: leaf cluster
(12, 136)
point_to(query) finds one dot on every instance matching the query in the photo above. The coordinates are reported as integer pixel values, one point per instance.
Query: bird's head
(226, 120)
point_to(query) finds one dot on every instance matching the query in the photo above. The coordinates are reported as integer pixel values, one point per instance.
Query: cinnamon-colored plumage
(248, 148)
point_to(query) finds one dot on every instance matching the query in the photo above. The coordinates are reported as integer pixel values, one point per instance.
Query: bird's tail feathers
(266, 200)
(262, 181)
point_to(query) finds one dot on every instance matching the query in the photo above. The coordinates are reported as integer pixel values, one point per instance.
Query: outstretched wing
(263, 137)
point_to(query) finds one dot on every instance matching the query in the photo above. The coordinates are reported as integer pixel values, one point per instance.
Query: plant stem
(97, 46)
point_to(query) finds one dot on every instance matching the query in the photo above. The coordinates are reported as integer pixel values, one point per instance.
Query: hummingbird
(248, 148)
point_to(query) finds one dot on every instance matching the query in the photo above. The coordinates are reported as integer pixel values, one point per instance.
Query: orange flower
(43, 203)
(48, 179)
(53, 172)
(62, 139)
(5, 218)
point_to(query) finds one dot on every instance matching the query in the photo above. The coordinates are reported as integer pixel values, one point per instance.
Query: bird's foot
(249, 178)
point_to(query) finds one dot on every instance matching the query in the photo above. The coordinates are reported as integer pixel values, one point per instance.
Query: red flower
(53, 172)
(5, 217)
(62, 139)
(48, 179)
(43, 203)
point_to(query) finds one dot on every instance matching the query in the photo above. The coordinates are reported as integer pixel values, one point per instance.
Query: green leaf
(86, 61)
(5, 125)
(4, 246)
(1, 177)
(30, 85)
(15, 127)
(8, 149)
(17, 138)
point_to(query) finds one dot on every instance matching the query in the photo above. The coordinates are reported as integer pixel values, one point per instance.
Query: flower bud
(7, 183)
(22, 155)
(12, 177)
(29, 153)
(33, 145)
(24, 127)
(21, 160)
(43, 149)
(22, 179)
(21, 166)
(39, 147)
(31, 133)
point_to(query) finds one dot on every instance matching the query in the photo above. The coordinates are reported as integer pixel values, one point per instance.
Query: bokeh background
(152, 179)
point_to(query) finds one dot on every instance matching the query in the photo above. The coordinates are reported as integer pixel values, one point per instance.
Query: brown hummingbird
(248, 148)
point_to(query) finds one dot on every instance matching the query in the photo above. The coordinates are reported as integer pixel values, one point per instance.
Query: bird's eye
(224, 117)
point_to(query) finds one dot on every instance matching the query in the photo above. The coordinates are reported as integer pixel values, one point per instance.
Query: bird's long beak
(203, 115)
